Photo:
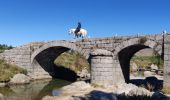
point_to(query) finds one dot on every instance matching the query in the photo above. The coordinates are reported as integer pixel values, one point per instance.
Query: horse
(82, 33)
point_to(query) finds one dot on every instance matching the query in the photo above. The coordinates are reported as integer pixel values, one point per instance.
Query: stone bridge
(111, 63)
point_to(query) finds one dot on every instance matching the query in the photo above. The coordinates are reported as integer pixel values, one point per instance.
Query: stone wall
(167, 60)
(21, 55)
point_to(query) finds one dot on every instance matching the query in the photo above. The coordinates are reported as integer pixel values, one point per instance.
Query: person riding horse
(78, 30)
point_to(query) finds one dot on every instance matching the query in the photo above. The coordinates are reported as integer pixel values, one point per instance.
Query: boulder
(139, 92)
(84, 74)
(124, 88)
(59, 98)
(148, 73)
(154, 67)
(2, 84)
(20, 79)
(77, 86)
(1, 97)
(134, 67)
(39, 75)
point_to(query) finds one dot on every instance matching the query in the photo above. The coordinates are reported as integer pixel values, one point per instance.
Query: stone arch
(125, 51)
(43, 58)
(65, 44)
(150, 43)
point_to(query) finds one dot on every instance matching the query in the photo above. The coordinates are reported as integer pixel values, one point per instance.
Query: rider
(78, 28)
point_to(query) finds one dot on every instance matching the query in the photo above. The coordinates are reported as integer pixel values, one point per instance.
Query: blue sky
(23, 21)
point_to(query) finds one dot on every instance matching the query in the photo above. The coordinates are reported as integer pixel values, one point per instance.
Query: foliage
(8, 71)
(72, 60)
(145, 61)
(166, 90)
(143, 40)
(4, 47)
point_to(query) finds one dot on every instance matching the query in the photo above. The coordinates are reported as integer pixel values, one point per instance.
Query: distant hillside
(4, 47)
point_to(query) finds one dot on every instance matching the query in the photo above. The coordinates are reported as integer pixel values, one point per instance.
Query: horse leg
(77, 36)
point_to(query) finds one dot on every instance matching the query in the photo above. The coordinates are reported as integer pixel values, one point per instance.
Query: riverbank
(121, 91)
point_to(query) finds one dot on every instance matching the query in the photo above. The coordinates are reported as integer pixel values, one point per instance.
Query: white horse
(82, 33)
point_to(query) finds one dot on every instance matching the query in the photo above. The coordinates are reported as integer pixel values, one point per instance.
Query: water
(35, 90)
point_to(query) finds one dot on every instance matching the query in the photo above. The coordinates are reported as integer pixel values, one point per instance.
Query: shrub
(166, 90)
(142, 40)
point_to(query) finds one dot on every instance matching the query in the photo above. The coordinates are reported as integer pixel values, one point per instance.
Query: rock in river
(1, 97)
(20, 79)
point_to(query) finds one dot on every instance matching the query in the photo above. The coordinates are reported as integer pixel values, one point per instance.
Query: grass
(7, 71)
(72, 60)
(166, 90)
(145, 61)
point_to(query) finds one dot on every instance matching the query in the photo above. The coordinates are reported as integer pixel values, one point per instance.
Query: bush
(143, 40)
(166, 90)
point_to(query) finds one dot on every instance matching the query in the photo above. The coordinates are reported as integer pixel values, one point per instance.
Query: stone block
(103, 61)
(166, 64)
(166, 57)
(159, 47)
(152, 44)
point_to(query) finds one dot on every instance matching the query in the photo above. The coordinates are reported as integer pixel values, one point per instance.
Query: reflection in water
(33, 91)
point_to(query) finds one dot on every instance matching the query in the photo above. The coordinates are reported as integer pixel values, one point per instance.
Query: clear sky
(23, 21)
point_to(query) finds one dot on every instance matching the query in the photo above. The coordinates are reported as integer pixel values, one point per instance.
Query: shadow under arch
(44, 58)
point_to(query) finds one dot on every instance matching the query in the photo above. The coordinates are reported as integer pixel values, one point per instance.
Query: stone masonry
(38, 57)
(167, 60)
(102, 72)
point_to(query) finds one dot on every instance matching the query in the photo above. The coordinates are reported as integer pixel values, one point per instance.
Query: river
(35, 90)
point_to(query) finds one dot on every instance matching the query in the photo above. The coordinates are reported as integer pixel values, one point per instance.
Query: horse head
(71, 31)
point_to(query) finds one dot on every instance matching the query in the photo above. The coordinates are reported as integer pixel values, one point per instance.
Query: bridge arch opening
(43, 60)
(126, 51)
(125, 56)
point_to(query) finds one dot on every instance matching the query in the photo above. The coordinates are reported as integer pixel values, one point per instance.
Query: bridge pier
(102, 71)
